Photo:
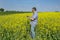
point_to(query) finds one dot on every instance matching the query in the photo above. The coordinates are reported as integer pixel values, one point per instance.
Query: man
(33, 21)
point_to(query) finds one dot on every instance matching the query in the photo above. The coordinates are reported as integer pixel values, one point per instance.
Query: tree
(1, 10)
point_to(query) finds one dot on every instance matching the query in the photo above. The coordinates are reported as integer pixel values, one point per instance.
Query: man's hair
(34, 8)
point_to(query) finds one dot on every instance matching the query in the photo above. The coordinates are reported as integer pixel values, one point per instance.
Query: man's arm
(30, 18)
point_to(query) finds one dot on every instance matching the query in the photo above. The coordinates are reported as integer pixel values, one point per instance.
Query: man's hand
(31, 19)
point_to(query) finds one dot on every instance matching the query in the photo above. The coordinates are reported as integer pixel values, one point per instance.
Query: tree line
(2, 10)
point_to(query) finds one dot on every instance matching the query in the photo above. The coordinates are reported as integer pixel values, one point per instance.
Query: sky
(26, 5)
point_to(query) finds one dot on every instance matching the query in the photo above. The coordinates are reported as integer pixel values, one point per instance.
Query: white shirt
(35, 16)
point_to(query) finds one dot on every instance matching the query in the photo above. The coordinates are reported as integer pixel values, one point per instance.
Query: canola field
(17, 26)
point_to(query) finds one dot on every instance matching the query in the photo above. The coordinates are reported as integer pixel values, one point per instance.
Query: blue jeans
(32, 30)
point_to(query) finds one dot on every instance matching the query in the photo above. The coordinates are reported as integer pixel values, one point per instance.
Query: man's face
(33, 10)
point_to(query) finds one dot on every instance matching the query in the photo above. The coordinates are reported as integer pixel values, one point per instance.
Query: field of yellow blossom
(17, 26)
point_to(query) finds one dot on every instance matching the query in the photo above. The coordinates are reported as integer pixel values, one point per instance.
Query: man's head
(33, 9)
